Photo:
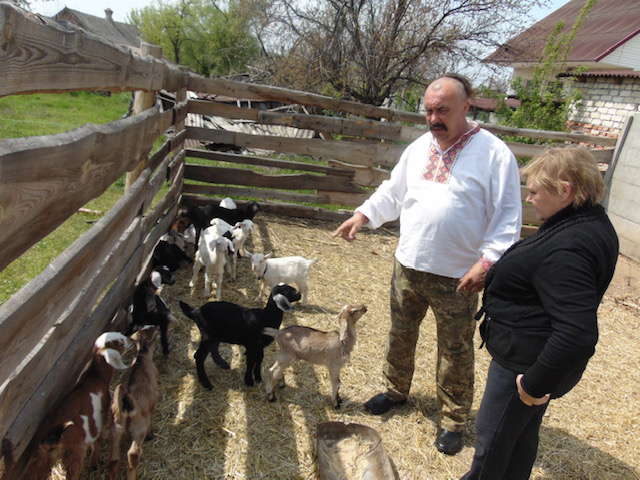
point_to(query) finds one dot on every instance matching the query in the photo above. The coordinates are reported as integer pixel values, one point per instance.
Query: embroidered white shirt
(454, 206)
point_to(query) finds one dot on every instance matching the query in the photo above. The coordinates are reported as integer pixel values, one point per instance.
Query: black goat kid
(149, 308)
(230, 323)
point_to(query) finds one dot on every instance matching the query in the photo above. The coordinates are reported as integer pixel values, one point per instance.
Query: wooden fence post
(142, 101)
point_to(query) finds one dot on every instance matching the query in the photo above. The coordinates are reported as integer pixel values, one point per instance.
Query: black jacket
(541, 299)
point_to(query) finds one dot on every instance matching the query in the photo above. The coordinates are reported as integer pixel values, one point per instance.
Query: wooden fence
(49, 326)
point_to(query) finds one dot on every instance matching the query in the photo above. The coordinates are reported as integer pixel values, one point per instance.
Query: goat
(212, 254)
(149, 308)
(77, 423)
(227, 202)
(271, 271)
(202, 216)
(184, 228)
(331, 349)
(230, 323)
(238, 234)
(134, 401)
(169, 254)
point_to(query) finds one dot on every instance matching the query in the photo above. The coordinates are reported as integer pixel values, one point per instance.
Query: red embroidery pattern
(439, 167)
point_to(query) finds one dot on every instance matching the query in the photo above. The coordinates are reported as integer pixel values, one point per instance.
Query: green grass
(51, 113)
(48, 114)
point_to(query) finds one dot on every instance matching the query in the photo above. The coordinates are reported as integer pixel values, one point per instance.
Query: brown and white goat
(77, 424)
(134, 402)
(331, 349)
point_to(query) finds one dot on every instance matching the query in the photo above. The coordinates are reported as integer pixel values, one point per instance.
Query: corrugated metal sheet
(609, 25)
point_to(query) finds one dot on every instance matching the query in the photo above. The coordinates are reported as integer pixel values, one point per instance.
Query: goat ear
(113, 358)
(268, 255)
(282, 302)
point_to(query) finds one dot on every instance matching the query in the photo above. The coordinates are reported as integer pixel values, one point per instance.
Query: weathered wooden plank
(529, 215)
(63, 374)
(365, 176)
(361, 154)
(262, 92)
(24, 321)
(357, 127)
(268, 162)
(153, 218)
(26, 377)
(254, 193)
(235, 176)
(253, 91)
(549, 135)
(42, 55)
(44, 180)
(350, 200)
(216, 109)
(526, 150)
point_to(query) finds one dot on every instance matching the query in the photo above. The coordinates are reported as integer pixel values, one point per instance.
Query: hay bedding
(233, 432)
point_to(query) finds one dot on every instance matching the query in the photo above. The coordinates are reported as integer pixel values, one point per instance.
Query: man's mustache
(438, 125)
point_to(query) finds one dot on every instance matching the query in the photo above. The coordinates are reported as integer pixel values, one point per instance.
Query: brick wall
(606, 103)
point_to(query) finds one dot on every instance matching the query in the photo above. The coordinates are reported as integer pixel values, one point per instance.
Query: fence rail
(49, 326)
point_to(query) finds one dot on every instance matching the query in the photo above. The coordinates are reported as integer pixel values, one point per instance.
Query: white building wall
(605, 105)
(626, 55)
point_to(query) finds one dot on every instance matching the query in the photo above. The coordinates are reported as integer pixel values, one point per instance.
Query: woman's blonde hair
(572, 164)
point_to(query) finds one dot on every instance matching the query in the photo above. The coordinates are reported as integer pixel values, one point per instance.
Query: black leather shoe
(381, 404)
(448, 442)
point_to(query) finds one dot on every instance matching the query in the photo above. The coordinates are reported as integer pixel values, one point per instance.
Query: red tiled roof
(604, 73)
(609, 24)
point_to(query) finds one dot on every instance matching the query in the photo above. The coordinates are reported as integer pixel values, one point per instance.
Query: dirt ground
(233, 432)
(625, 286)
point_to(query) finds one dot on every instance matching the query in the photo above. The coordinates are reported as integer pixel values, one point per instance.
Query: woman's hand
(528, 399)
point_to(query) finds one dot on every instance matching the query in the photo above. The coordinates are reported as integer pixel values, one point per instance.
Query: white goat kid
(238, 234)
(212, 254)
(272, 271)
(331, 349)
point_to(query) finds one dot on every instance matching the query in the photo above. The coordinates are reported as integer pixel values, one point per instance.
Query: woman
(540, 304)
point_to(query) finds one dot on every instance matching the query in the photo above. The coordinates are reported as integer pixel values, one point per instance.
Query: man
(456, 191)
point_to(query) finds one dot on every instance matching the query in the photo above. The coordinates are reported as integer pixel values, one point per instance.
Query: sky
(121, 8)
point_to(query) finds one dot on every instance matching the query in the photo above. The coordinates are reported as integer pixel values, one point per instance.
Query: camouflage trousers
(412, 293)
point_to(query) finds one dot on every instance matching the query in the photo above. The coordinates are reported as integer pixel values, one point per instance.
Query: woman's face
(547, 203)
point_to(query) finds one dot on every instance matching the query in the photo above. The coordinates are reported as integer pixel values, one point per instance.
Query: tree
(546, 101)
(207, 37)
(220, 42)
(369, 50)
(164, 24)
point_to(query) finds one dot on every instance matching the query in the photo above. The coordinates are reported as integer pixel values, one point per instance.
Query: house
(604, 60)
(106, 28)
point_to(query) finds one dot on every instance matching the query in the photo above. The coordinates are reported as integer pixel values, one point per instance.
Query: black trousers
(507, 430)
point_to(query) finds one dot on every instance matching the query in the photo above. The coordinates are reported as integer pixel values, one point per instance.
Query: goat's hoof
(206, 385)
(272, 398)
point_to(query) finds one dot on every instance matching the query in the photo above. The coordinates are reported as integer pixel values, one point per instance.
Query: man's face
(446, 109)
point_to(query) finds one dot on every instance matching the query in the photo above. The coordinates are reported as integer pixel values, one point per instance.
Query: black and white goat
(148, 307)
(201, 216)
